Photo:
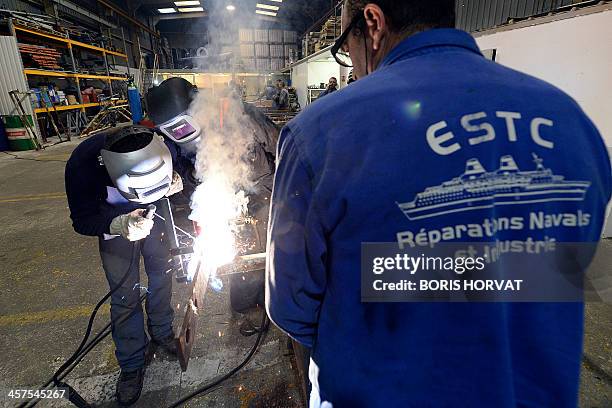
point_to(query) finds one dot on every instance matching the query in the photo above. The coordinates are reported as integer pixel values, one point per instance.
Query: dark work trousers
(129, 335)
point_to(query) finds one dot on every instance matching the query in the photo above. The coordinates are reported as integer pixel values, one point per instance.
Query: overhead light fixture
(187, 3)
(266, 13)
(190, 9)
(230, 7)
(267, 6)
(277, 1)
(167, 10)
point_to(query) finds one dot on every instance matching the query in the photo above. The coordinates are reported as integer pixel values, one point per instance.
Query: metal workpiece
(198, 286)
(164, 212)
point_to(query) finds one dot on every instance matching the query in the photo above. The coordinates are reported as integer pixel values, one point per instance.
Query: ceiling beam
(123, 14)
(92, 16)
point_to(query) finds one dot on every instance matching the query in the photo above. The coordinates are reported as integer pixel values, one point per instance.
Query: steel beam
(123, 14)
(92, 16)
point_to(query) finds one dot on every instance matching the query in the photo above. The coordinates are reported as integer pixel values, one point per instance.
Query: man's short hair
(407, 15)
(334, 78)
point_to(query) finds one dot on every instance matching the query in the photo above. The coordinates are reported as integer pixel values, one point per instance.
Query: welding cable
(98, 339)
(208, 387)
(73, 395)
(106, 330)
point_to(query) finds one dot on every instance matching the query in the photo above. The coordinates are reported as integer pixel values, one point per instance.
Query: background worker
(270, 91)
(281, 99)
(110, 178)
(343, 167)
(332, 86)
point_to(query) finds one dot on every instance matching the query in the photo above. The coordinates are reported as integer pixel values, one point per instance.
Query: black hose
(208, 387)
(106, 330)
(80, 353)
(135, 253)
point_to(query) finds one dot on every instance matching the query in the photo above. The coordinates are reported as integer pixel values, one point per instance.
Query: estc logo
(441, 142)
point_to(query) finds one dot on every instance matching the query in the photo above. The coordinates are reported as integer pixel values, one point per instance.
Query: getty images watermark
(505, 271)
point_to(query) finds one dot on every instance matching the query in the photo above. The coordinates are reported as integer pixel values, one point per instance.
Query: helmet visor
(181, 129)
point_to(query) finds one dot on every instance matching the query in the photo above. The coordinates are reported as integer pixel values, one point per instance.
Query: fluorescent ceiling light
(267, 6)
(167, 10)
(278, 1)
(266, 13)
(190, 9)
(230, 7)
(187, 3)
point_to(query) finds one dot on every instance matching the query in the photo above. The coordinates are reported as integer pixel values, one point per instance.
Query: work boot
(129, 386)
(168, 344)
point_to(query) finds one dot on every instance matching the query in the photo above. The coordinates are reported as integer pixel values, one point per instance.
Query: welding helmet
(168, 106)
(138, 162)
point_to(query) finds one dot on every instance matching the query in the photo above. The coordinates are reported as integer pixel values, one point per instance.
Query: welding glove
(177, 184)
(132, 226)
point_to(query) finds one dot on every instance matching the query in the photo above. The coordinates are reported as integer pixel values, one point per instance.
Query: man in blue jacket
(110, 179)
(384, 161)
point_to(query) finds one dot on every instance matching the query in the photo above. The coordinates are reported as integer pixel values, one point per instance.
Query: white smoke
(222, 165)
(223, 162)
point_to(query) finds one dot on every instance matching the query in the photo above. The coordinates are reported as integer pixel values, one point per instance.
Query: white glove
(132, 226)
(176, 186)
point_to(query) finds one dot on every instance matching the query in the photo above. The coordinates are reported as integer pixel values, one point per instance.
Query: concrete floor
(50, 278)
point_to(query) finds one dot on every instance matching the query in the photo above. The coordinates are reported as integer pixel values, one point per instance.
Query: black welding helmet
(168, 106)
(138, 162)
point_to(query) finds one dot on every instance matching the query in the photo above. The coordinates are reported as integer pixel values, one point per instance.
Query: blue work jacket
(388, 159)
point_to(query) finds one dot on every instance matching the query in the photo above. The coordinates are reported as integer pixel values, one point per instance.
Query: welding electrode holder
(149, 213)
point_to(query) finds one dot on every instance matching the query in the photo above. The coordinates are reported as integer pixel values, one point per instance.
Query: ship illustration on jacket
(477, 189)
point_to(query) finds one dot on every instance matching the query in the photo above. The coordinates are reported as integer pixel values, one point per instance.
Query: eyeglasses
(341, 56)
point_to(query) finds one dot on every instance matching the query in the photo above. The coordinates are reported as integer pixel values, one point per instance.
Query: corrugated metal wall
(476, 15)
(11, 76)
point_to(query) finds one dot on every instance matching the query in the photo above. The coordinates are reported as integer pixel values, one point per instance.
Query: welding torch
(149, 212)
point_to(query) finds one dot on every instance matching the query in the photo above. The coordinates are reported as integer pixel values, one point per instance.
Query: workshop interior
(171, 170)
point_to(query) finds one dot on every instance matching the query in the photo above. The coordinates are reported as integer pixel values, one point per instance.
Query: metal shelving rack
(70, 43)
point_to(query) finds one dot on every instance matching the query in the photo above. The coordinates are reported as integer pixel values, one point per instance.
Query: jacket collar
(430, 40)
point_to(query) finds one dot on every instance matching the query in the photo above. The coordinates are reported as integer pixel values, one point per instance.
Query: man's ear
(376, 24)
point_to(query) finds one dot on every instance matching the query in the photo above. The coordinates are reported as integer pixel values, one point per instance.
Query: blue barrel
(3, 138)
(135, 104)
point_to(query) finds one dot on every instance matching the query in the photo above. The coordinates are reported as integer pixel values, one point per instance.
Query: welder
(110, 179)
(170, 106)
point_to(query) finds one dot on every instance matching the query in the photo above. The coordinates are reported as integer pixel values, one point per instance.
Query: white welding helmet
(138, 162)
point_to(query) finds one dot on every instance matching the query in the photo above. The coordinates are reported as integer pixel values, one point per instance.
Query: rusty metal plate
(188, 327)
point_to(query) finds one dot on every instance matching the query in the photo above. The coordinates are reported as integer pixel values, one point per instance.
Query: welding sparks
(214, 206)
(222, 165)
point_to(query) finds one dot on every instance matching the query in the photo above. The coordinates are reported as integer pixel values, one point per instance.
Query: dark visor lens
(180, 130)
